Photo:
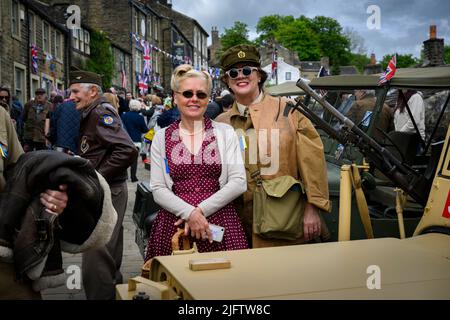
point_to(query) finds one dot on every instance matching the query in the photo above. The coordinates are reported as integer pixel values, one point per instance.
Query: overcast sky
(404, 23)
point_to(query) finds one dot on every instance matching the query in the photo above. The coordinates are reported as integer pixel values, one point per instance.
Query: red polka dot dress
(195, 178)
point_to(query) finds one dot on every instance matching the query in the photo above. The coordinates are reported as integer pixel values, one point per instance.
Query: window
(288, 76)
(58, 45)
(149, 27)
(136, 22)
(47, 84)
(35, 83)
(15, 18)
(32, 28)
(156, 29)
(81, 39)
(87, 41)
(75, 42)
(53, 43)
(45, 37)
(138, 61)
(19, 82)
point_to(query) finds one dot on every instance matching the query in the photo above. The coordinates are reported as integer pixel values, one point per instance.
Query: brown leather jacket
(104, 142)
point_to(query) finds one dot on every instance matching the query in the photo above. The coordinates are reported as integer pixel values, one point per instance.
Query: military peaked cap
(238, 54)
(85, 77)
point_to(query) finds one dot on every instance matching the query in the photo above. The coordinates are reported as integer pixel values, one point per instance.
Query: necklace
(187, 133)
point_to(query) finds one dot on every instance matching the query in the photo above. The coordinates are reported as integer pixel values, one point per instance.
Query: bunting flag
(143, 84)
(34, 59)
(123, 77)
(147, 61)
(323, 72)
(274, 63)
(390, 71)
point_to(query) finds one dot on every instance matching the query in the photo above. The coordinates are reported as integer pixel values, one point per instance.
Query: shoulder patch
(107, 120)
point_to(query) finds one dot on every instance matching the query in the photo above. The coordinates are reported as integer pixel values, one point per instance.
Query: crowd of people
(205, 162)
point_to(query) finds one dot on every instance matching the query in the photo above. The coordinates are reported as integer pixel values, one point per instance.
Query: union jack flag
(143, 84)
(390, 71)
(34, 59)
(147, 52)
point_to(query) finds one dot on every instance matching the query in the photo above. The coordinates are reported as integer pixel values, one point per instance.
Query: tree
(101, 59)
(359, 61)
(268, 26)
(333, 43)
(299, 37)
(238, 34)
(447, 54)
(403, 60)
(356, 41)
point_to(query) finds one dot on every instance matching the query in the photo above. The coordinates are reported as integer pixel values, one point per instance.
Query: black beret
(85, 77)
(238, 54)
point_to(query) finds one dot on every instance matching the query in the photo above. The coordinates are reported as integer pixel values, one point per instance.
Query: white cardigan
(232, 179)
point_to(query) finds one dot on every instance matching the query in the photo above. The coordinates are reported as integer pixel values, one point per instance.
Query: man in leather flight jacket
(105, 143)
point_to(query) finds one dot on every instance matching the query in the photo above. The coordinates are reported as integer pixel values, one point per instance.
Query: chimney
(433, 32)
(214, 36)
(434, 49)
(373, 59)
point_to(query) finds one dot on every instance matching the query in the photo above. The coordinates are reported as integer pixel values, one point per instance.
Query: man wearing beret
(297, 151)
(34, 115)
(105, 143)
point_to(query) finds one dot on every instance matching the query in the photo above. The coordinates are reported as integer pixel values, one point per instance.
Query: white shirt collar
(242, 107)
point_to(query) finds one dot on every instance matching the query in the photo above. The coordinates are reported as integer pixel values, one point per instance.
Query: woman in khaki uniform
(285, 145)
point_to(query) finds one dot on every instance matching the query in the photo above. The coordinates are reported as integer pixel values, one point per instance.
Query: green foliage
(447, 54)
(403, 60)
(310, 38)
(101, 59)
(299, 37)
(238, 34)
(359, 61)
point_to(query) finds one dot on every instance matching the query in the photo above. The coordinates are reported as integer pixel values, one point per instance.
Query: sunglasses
(246, 71)
(188, 94)
(4, 98)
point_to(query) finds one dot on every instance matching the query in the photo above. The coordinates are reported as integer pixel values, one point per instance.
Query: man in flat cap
(105, 143)
(292, 148)
(35, 114)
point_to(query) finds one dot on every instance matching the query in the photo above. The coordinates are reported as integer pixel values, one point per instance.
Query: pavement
(132, 259)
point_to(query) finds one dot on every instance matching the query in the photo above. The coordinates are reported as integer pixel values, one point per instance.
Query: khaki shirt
(284, 146)
(10, 143)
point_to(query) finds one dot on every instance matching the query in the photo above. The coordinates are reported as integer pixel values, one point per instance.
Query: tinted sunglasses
(4, 98)
(246, 71)
(188, 94)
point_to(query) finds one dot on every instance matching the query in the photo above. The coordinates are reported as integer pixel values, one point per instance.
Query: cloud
(404, 23)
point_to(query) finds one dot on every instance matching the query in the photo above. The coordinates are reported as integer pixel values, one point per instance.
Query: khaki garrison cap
(85, 77)
(238, 54)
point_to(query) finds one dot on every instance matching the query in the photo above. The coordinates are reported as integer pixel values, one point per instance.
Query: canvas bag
(278, 207)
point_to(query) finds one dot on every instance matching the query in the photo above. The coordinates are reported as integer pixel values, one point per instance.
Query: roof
(288, 88)
(47, 12)
(310, 65)
(348, 70)
(421, 78)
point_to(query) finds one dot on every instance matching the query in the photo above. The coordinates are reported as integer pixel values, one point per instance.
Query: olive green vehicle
(379, 190)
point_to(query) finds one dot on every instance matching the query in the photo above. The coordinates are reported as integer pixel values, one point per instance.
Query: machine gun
(412, 182)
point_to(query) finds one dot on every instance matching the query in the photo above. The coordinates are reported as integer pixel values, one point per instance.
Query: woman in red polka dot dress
(196, 172)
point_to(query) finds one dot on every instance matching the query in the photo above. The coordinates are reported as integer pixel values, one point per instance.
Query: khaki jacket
(10, 143)
(34, 123)
(298, 150)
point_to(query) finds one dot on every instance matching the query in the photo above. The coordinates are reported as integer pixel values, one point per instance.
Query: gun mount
(401, 174)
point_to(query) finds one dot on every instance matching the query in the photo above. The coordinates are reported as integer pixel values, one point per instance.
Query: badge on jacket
(3, 151)
(84, 146)
(107, 120)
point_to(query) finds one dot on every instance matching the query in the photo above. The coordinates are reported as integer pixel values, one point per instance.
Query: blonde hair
(185, 71)
(112, 99)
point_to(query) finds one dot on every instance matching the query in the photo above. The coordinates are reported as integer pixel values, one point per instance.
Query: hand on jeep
(311, 222)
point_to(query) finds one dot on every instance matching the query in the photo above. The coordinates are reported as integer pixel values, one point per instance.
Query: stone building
(214, 48)
(25, 24)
